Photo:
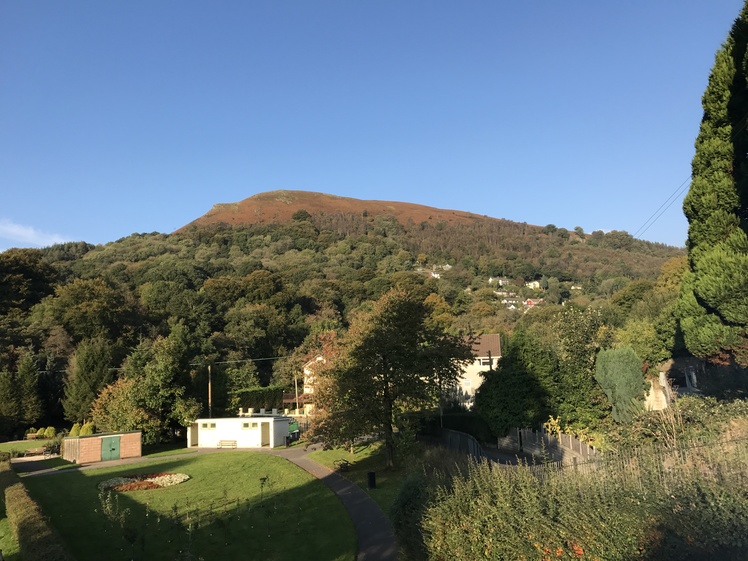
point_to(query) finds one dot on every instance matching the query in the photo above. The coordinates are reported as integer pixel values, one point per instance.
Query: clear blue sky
(138, 116)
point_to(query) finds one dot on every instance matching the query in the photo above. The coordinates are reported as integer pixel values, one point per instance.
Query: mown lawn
(22, 445)
(366, 458)
(225, 511)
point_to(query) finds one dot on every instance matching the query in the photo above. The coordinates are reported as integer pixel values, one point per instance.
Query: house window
(245, 425)
(254, 425)
(208, 425)
(486, 361)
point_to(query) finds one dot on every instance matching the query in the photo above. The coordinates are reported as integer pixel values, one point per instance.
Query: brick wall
(89, 450)
(129, 445)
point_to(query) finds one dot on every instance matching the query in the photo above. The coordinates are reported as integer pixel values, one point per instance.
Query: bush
(50, 432)
(621, 508)
(30, 430)
(406, 515)
(40, 433)
(76, 430)
(37, 541)
(87, 428)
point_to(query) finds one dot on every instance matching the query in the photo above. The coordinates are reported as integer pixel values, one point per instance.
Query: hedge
(37, 540)
(270, 397)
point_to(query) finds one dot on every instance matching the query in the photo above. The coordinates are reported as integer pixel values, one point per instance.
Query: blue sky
(138, 116)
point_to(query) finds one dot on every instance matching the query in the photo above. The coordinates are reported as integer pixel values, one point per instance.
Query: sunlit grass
(23, 445)
(367, 458)
(225, 511)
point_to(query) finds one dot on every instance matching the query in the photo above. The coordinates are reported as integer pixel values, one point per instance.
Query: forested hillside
(248, 298)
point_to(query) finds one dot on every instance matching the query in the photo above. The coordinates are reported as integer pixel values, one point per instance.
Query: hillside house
(487, 350)
(535, 285)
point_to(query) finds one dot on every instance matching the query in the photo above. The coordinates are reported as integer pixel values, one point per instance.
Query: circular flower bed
(143, 481)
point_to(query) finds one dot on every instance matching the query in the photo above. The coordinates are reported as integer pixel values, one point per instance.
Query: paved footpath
(374, 533)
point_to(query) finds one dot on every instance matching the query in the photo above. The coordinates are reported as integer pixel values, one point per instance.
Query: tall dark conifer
(28, 389)
(713, 306)
(88, 372)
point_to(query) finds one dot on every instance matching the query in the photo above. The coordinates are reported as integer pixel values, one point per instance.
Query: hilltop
(275, 207)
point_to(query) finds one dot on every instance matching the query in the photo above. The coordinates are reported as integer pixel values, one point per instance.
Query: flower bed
(143, 481)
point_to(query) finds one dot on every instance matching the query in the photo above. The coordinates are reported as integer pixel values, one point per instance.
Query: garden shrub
(37, 540)
(50, 432)
(406, 515)
(76, 430)
(657, 504)
(87, 428)
(30, 430)
(40, 433)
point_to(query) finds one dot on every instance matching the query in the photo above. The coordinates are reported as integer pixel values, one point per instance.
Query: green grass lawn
(22, 445)
(222, 512)
(366, 458)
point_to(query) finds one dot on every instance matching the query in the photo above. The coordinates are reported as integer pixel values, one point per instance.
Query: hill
(280, 206)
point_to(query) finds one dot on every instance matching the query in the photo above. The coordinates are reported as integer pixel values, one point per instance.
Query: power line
(660, 211)
(681, 188)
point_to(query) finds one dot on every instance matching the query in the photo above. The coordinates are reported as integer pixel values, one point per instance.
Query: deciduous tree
(392, 360)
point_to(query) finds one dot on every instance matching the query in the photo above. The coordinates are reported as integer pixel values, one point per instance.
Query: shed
(101, 447)
(255, 431)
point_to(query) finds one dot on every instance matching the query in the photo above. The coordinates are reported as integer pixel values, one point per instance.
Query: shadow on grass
(236, 505)
(367, 458)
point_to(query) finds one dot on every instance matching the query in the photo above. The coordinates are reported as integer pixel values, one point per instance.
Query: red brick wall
(129, 445)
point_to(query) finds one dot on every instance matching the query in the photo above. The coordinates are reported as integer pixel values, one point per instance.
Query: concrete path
(374, 533)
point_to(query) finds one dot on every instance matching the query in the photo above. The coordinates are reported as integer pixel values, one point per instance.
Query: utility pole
(210, 395)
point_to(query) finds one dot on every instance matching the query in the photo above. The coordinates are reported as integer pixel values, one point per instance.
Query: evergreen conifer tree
(10, 412)
(88, 372)
(713, 305)
(28, 389)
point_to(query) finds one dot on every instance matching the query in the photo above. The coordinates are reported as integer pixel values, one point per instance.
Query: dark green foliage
(512, 395)
(619, 373)
(393, 359)
(268, 398)
(28, 390)
(25, 279)
(713, 306)
(10, 410)
(88, 372)
(407, 513)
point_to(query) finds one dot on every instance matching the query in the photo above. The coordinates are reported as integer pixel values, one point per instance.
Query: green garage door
(109, 448)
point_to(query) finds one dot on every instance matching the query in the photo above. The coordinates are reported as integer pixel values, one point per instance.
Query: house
(504, 293)
(256, 430)
(487, 351)
(530, 303)
(535, 285)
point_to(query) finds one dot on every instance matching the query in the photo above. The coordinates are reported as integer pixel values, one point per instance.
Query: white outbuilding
(254, 431)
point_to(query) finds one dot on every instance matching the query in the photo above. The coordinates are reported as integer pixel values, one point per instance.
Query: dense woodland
(251, 300)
